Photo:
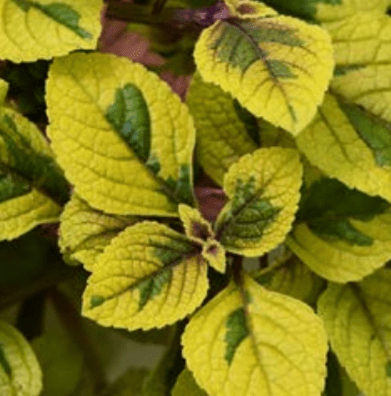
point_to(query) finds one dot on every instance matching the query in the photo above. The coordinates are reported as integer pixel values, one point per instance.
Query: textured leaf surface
(85, 232)
(124, 152)
(350, 144)
(294, 279)
(44, 29)
(341, 234)
(32, 187)
(20, 374)
(186, 385)
(357, 320)
(149, 276)
(363, 55)
(200, 231)
(256, 342)
(327, 10)
(276, 67)
(221, 133)
(263, 188)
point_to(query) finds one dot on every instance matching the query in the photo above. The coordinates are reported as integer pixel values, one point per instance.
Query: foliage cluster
(287, 118)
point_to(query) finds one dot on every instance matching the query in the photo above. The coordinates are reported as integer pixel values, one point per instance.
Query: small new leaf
(263, 188)
(250, 341)
(149, 276)
(277, 67)
(20, 374)
(186, 385)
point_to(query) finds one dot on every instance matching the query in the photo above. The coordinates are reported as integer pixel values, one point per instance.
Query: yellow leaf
(32, 188)
(294, 279)
(186, 385)
(3, 91)
(85, 232)
(222, 136)
(20, 374)
(343, 9)
(149, 276)
(351, 145)
(357, 320)
(43, 29)
(278, 68)
(250, 341)
(123, 150)
(263, 188)
(363, 55)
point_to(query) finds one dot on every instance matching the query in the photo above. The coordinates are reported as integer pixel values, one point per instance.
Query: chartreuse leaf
(32, 188)
(350, 144)
(44, 29)
(221, 132)
(186, 385)
(85, 232)
(20, 374)
(356, 317)
(3, 91)
(149, 276)
(363, 55)
(263, 189)
(277, 67)
(341, 234)
(61, 362)
(124, 152)
(327, 10)
(294, 279)
(200, 231)
(251, 341)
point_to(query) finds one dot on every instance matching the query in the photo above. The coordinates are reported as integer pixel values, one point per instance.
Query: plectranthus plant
(281, 286)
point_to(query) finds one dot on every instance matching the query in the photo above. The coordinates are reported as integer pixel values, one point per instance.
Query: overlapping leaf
(341, 234)
(221, 128)
(363, 55)
(20, 374)
(357, 320)
(350, 144)
(327, 10)
(85, 232)
(149, 276)
(249, 341)
(186, 385)
(123, 150)
(263, 188)
(42, 29)
(295, 279)
(277, 67)
(32, 188)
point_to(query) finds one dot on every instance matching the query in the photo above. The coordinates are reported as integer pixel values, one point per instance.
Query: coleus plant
(290, 110)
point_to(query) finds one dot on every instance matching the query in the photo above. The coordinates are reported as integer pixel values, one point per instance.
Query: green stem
(72, 322)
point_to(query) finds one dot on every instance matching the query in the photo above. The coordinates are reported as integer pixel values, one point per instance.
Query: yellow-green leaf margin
(42, 29)
(149, 276)
(123, 137)
(263, 188)
(32, 187)
(278, 67)
(20, 374)
(85, 232)
(250, 341)
(357, 320)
